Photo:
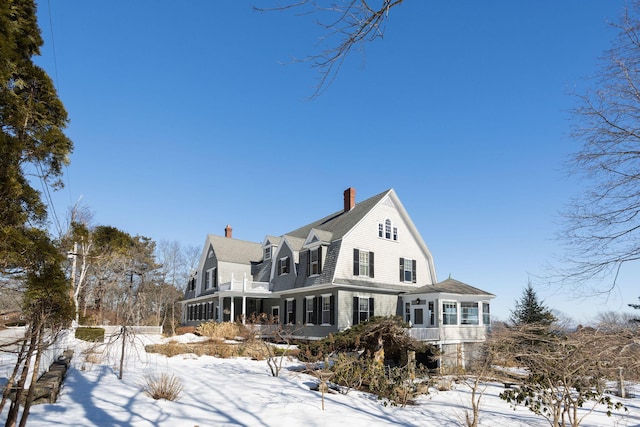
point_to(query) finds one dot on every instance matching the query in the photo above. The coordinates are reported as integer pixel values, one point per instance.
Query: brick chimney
(349, 199)
(227, 231)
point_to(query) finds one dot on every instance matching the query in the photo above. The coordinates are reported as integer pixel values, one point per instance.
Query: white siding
(384, 305)
(387, 253)
(225, 269)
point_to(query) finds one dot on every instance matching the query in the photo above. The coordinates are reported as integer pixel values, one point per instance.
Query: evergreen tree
(31, 139)
(529, 310)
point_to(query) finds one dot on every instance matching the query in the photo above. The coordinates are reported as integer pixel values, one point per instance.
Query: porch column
(244, 310)
(233, 306)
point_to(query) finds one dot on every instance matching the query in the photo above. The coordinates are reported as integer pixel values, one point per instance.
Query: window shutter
(319, 259)
(355, 310)
(288, 264)
(293, 308)
(317, 306)
(284, 316)
(413, 271)
(356, 262)
(279, 268)
(308, 263)
(332, 310)
(371, 264)
(371, 311)
(402, 269)
(215, 277)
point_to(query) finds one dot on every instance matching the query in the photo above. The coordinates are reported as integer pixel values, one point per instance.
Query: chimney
(349, 199)
(227, 231)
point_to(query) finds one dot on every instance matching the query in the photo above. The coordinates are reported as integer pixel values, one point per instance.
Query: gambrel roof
(341, 222)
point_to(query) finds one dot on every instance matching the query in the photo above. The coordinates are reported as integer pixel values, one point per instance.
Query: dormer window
(387, 231)
(284, 265)
(267, 253)
(314, 261)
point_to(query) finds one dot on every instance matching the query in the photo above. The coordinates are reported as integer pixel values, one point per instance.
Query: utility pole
(73, 255)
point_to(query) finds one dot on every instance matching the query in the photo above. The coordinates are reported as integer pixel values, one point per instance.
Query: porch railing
(244, 285)
(424, 334)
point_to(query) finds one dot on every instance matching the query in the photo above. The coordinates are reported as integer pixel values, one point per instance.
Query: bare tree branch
(348, 26)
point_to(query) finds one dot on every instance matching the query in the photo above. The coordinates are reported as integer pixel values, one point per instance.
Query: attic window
(210, 254)
(267, 253)
(387, 231)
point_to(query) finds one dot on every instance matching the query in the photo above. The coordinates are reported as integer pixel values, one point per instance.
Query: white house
(367, 259)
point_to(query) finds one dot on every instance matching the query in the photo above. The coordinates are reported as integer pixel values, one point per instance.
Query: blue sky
(188, 116)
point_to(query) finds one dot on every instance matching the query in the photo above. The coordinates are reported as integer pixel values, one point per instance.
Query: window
(275, 314)
(407, 312)
(326, 309)
(309, 310)
(418, 315)
(432, 313)
(314, 261)
(210, 279)
(362, 309)
(267, 253)
(408, 270)
(284, 265)
(290, 311)
(469, 313)
(387, 231)
(486, 317)
(449, 313)
(363, 263)
(210, 254)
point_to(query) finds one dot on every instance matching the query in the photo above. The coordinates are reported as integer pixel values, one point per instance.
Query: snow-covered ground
(241, 392)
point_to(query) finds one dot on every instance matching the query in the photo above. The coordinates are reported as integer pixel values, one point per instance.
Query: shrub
(163, 386)
(221, 331)
(90, 334)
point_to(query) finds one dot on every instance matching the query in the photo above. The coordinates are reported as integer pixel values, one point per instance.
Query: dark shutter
(279, 268)
(332, 310)
(355, 310)
(371, 264)
(308, 263)
(215, 277)
(356, 262)
(371, 312)
(293, 308)
(284, 316)
(319, 259)
(413, 271)
(318, 308)
(287, 263)
(402, 269)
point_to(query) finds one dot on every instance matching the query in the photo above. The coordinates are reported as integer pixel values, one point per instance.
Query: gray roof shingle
(234, 250)
(451, 286)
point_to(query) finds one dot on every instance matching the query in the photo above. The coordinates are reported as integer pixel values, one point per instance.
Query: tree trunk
(123, 336)
(34, 377)
(12, 415)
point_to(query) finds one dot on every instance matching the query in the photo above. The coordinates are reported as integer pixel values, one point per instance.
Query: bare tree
(602, 232)
(566, 372)
(348, 26)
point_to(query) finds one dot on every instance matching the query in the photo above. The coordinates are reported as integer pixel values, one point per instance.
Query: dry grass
(253, 349)
(222, 330)
(163, 386)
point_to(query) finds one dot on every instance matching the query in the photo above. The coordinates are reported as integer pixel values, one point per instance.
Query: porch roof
(450, 286)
